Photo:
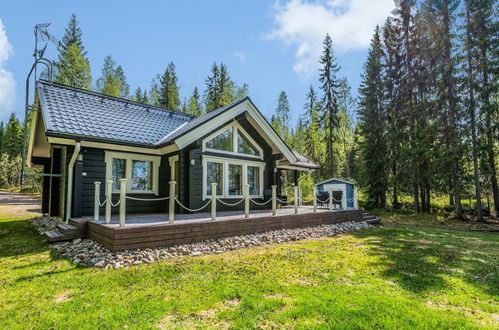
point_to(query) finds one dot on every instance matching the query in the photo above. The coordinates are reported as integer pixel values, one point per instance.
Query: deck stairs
(369, 218)
(76, 228)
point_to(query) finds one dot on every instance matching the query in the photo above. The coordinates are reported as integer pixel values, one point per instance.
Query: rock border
(44, 223)
(89, 253)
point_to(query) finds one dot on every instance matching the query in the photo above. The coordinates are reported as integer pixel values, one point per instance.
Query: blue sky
(272, 46)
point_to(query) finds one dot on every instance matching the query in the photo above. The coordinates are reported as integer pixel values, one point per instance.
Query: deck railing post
(122, 202)
(297, 197)
(274, 200)
(330, 200)
(213, 201)
(96, 200)
(355, 202)
(344, 200)
(246, 200)
(171, 203)
(109, 195)
(314, 197)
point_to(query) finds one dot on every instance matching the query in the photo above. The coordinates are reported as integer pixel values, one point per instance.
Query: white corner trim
(230, 161)
(129, 157)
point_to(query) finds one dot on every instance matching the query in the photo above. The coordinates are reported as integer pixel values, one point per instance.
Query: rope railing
(293, 199)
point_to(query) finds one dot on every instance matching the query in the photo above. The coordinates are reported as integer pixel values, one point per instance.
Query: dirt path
(15, 206)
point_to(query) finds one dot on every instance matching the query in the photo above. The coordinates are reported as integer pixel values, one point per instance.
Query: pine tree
(73, 68)
(241, 92)
(2, 132)
(225, 87)
(154, 91)
(109, 83)
(371, 124)
(330, 84)
(220, 89)
(211, 93)
(282, 113)
(345, 130)
(194, 106)
(13, 137)
(313, 139)
(125, 87)
(140, 96)
(169, 89)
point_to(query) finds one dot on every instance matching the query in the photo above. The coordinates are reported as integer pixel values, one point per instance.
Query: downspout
(69, 197)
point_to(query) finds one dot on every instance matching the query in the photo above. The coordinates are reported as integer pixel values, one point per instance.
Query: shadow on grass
(17, 237)
(423, 260)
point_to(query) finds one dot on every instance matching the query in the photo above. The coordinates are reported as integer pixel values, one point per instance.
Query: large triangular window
(244, 146)
(223, 141)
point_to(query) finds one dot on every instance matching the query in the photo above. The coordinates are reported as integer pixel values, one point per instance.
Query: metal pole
(171, 203)
(109, 195)
(296, 199)
(314, 194)
(246, 200)
(122, 202)
(213, 201)
(274, 200)
(96, 200)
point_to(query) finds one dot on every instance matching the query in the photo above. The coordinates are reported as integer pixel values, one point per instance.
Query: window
(254, 180)
(140, 170)
(233, 140)
(141, 175)
(214, 174)
(119, 172)
(235, 180)
(222, 141)
(244, 147)
(231, 175)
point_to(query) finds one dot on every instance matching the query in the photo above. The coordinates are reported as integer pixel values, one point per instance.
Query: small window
(254, 180)
(214, 174)
(119, 172)
(244, 147)
(141, 175)
(235, 180)
(222, 141)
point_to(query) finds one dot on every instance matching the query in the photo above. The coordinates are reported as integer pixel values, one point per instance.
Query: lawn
(389, 277)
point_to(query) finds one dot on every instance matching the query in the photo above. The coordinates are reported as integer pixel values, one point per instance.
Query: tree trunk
(416, 198)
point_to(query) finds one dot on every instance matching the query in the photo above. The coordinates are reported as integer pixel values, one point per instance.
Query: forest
(421, 132)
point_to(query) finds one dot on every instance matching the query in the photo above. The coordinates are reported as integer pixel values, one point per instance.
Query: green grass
(388, 277)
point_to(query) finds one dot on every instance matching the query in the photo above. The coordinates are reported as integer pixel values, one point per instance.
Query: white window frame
(236, 127)
(129, 158)
(226, 162)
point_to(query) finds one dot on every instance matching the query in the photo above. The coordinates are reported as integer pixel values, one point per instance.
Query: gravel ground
(44, 223)
(89, 253)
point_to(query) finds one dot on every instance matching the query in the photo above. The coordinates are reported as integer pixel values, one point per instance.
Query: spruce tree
(330, 112)
(194, 106)
(211, 94)
(225, 87)
(168, 97)
(282, 113)
(73, 35)
(13, 138)
(2, 132)
(140, 96)
(371, 124)
(73, 69)
(109, 83)
(125, 87)
(313, 138)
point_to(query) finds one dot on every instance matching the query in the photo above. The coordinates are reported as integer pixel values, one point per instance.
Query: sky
(270, 45)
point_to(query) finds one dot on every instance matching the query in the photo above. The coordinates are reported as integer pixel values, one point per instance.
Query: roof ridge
(114, 98)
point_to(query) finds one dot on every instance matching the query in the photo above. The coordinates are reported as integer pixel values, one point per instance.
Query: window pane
(214, 174)
(244, 147)
(141, 175)
(222, 141)
(119, 172)
(254, 180)
(235, 180)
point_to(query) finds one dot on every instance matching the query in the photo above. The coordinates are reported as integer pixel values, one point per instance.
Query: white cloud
(7, 82)
(303, 24)
(241, 56)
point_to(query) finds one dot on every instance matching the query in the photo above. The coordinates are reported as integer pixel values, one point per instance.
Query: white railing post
(274, 201)
(246, 200)
(109, 195)
(297, 197)
(330, 200)
(213, 201)
(171, 203)
(96, 200)
(122, 202)
(314, 197)
(344, 200)
(355, 202)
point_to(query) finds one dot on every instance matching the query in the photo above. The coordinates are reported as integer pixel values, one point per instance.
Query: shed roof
(335, 179)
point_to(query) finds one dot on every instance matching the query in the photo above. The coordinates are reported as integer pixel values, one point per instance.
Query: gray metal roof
(334, 179)
(303, 161)
(73, 112)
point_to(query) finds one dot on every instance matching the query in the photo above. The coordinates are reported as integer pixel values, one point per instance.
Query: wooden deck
(153, 230)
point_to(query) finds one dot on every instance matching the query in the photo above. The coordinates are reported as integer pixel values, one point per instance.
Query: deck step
(54, 235)
(79, 222)
(369, 218)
